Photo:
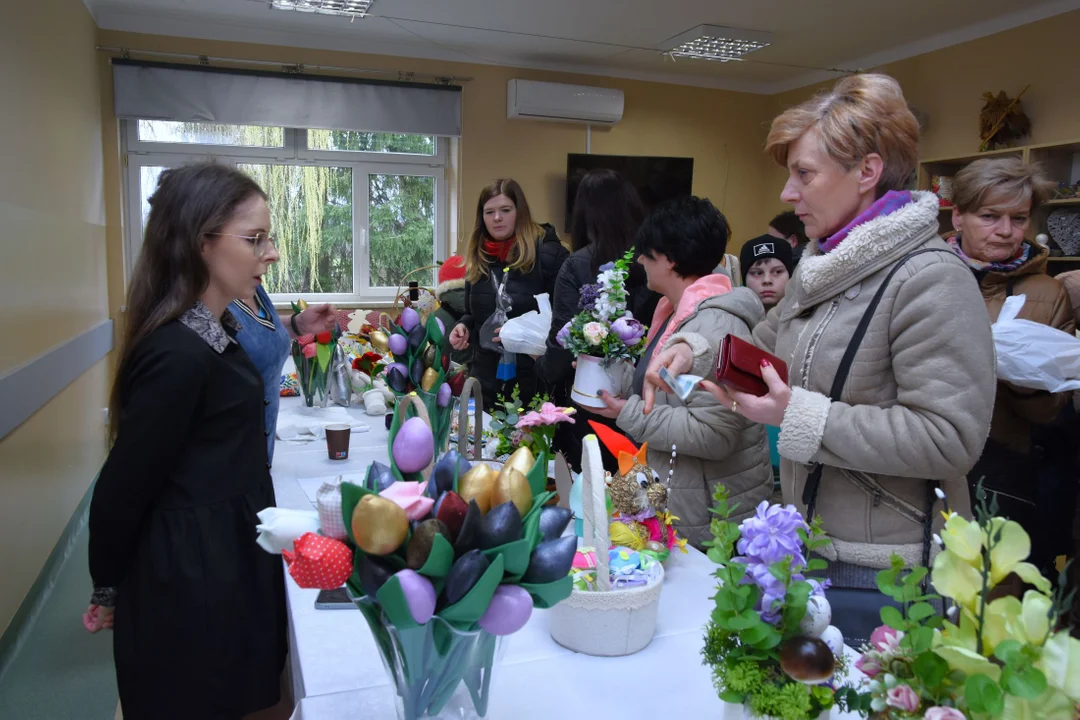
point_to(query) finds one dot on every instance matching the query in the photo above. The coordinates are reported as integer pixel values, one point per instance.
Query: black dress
(200, 608)
(521, 287)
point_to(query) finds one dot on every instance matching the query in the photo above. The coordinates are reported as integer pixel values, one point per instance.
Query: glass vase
(438, 670)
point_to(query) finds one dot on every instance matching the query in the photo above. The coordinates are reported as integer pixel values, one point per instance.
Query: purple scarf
(887, 204)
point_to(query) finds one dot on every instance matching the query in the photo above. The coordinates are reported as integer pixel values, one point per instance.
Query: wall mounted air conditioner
(531, 100)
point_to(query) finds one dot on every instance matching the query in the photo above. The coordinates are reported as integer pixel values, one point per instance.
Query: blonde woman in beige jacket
(914, 411)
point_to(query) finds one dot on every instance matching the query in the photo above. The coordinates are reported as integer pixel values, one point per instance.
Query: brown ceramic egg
(379, 341)
(807, 659)
(512, 486)
(379, 525)
(477, 485)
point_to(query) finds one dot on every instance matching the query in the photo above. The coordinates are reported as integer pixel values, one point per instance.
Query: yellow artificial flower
(1060, 662)
(1009, 554)
(681, 542)
(956, 578)
(964, 538)
(1051, 705)
(968, 662)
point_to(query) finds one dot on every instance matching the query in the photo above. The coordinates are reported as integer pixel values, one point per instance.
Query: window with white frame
(352, 212)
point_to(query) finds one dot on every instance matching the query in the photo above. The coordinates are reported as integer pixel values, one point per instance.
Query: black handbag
(853, 595)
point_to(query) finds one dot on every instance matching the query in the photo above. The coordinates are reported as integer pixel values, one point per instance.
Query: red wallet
(739, 366)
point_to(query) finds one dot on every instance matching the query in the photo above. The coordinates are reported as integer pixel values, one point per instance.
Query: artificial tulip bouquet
(995, 656)
(448, 557)
(769, 642)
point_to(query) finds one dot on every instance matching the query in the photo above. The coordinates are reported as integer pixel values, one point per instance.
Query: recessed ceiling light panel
(348, 8)
(712, 42)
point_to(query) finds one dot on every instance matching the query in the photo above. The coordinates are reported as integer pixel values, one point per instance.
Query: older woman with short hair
(994, 200)
(888, 346)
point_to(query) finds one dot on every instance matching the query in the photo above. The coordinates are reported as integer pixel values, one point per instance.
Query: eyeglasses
(260, 242)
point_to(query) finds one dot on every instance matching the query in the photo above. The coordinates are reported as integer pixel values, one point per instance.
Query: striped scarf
(1015, 263)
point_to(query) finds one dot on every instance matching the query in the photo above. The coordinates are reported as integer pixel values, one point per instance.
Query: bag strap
(813, 481)
(1010, 287)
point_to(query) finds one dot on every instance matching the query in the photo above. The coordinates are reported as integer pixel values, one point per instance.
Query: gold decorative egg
(379, 341)
(379, 525)
(428, 379)
(302, 304)
(512, 486)
(477, 485)
(522, 460)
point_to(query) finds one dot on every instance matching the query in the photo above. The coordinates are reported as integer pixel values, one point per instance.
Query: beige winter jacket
(713, 444)
(917, 403)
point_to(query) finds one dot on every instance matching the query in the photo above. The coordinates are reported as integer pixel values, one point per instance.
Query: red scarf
(498, 248)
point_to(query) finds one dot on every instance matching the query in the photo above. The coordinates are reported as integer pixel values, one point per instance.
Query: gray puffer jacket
(915, 410)
(713, 444)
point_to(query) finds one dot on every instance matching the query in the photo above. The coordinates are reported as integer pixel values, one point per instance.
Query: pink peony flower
(902, 697)
(310, 350)
(886, 639)
(549, 414)
(409, 496)
(868, 666)
(940, 712)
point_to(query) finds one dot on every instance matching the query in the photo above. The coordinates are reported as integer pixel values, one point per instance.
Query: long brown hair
(190, 202)
(523, 255)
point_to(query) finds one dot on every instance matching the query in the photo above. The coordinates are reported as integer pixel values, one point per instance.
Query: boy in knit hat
(767, 264)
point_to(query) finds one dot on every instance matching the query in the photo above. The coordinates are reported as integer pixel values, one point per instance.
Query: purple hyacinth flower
(563, 335)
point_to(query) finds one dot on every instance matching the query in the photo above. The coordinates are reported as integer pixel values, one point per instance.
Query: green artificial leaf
(930, 668)
(920, 611)
(816, 564)
(324, 352)
(732, 697)
(1009, 651)
(744, 621)
(886, 582)
(922, 638)
(893, 618)
(1026, 684)
(983, 696)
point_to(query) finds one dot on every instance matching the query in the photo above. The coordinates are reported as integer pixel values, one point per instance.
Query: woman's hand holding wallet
(749, 380)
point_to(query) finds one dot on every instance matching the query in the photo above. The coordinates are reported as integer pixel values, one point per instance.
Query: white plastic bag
(527, 334)
(1033, 355)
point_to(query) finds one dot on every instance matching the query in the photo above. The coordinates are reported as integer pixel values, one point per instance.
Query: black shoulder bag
(853, 595)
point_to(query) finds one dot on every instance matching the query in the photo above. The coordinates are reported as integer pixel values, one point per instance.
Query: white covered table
(337, 673)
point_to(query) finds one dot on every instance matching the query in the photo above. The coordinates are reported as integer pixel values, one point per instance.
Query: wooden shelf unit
(1060, 161)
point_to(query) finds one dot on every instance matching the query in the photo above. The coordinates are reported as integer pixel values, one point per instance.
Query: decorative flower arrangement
(443, 567)
(996, 656)
(312, 355)
(770, 642)
(503, 435)
(604, 328)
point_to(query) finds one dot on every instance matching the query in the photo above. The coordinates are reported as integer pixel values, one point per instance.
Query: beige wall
(948, 86)
(52, 273)
(720, 130)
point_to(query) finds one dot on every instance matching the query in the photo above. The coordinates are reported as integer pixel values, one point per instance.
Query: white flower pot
(592, 377)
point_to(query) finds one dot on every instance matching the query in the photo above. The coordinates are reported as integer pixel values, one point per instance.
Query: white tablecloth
(337, 673)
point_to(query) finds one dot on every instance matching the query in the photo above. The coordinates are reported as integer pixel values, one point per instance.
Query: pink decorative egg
(414, 446)
(419, 594)
(510, 609)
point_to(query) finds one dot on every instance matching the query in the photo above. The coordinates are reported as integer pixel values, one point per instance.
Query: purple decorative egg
(419, 594)
(399, 344)
(443, 398)
(510, 608)
(414, 446)
(409, 319)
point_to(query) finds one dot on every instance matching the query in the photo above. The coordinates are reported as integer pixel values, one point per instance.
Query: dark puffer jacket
(480, 305)
(555, 369)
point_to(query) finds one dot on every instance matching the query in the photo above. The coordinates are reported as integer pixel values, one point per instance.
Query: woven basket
(604, 622)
